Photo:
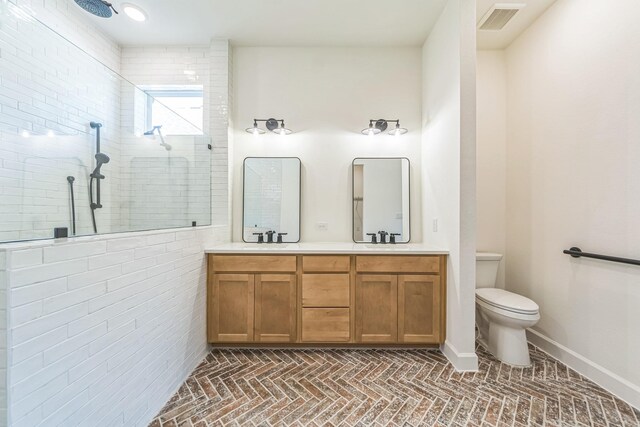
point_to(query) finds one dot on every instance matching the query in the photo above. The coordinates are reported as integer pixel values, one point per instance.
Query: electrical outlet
(322, 226)
(435, 225)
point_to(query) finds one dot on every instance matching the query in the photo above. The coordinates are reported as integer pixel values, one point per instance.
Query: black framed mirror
(381, 200)
(271, 199)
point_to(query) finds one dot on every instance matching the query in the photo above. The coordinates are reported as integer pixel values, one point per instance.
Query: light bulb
(255, 129)
(397, 131)
(282, 130)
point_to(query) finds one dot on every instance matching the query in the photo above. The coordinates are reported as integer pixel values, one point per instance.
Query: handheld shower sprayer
(101, 159)
(152, 132)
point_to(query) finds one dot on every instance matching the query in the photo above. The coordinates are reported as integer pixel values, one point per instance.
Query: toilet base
(509, 345)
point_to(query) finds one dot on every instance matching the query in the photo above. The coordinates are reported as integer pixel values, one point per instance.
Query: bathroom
(156, 305)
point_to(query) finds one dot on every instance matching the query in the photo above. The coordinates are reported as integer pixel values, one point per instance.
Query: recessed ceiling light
(134, 12)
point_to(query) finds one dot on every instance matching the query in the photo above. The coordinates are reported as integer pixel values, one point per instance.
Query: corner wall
(448, 159)
(573, 180)
(492, 156)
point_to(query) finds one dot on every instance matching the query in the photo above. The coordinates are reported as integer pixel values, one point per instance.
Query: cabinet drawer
(254, 263)
(326, 263)
(397, 264)
(325, 325)
(325, 290)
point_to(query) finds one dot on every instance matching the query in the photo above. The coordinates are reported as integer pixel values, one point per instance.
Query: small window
(178, 109)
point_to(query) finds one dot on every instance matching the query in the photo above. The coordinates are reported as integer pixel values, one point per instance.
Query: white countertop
(326, 248)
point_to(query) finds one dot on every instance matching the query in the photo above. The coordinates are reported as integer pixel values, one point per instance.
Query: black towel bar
(577, 253)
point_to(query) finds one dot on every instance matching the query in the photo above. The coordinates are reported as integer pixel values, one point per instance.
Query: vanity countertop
(326, 248)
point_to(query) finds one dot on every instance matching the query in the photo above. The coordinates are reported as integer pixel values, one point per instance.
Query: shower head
(95, 125)
(152, 132)
(70, 179)
(100, 8)
(101, 159)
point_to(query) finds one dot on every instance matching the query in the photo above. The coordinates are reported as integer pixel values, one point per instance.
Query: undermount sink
(267, 246)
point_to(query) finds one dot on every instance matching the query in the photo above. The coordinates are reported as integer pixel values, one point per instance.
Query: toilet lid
(507, 300)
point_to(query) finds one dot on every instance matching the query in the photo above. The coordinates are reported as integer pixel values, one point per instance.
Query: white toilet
(502, 316)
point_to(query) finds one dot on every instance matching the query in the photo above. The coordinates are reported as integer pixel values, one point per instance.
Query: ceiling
(276, 22)
(520, 22)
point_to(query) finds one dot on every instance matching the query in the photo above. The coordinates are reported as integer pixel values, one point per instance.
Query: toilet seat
(505, 301)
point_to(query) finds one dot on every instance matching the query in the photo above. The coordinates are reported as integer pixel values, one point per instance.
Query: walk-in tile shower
(75, 144)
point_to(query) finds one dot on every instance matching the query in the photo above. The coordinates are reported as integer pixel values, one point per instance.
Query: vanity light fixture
(272, 125)
(380, 125)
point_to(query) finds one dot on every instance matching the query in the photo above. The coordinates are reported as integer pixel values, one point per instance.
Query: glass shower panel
(54, 101)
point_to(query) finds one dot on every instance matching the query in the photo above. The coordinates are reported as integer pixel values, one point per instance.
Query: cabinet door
(419, 309)
(231, 302)
(275, 308)
(376, 308)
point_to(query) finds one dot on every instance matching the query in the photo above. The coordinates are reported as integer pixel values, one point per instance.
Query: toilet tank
(487, 269)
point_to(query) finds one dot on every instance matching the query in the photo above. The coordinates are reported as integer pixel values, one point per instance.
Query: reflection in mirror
(271, 199)
(381, 200)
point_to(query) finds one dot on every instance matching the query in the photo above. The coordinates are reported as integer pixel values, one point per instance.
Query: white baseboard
(606, 379)
(462, 362)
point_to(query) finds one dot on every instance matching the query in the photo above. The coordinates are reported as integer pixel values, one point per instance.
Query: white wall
(492, 155)
(448, 159)
(327, 96)
(573, 179)
(102, 330)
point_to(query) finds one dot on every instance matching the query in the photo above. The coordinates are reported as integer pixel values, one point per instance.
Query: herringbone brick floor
(386, 387)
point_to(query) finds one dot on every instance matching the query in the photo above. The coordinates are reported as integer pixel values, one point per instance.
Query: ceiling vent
(499, 15)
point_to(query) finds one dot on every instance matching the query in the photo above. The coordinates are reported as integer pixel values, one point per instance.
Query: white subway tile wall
(221, 130)
(3, 335)
(208, 66)
(96, 345)
(103, 329)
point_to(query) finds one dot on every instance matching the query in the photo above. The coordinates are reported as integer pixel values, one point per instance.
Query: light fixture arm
(380, 125)
(273, 125)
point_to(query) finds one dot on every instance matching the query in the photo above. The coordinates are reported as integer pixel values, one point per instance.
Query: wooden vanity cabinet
(249, 305)
(406, 307)
(275, 308)
(376, 308)
(326, 299)
(419, 309)
(332, 299)
(230, 307)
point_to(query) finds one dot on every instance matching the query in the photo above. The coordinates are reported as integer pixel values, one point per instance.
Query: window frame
(167, 92)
